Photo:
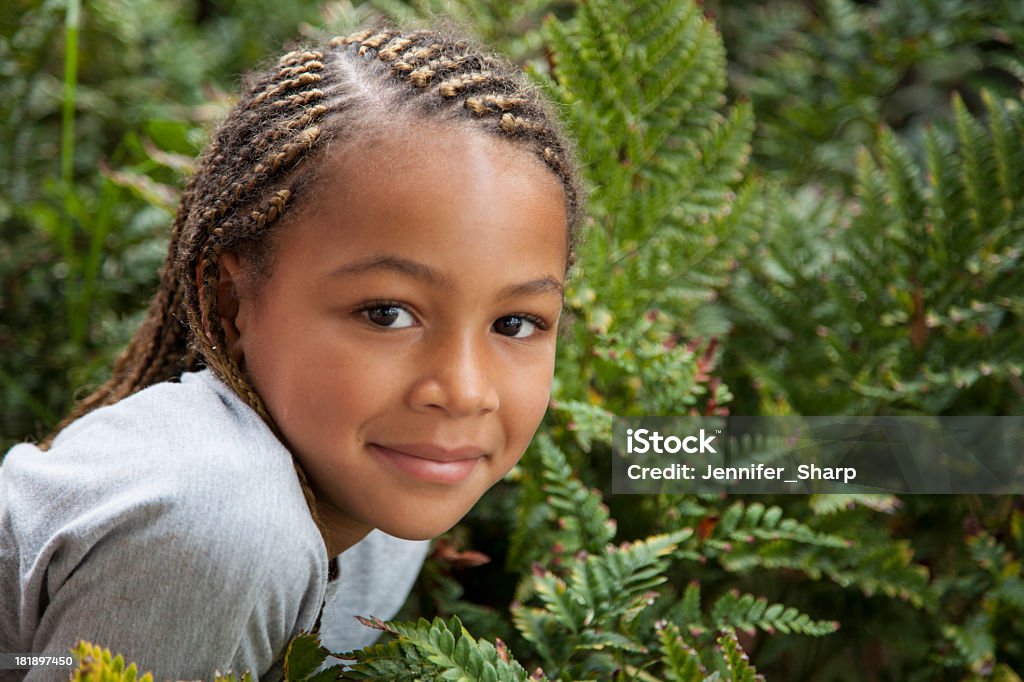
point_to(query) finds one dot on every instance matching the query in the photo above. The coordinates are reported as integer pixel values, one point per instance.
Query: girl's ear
(231, 274)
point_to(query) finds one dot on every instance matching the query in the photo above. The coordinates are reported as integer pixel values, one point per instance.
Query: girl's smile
(429, 462)
(404, 340)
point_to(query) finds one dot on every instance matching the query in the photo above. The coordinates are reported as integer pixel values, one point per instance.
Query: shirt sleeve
(178, 597)
(187, 558)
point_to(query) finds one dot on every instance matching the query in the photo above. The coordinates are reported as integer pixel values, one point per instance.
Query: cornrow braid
(455, 72)
(297, 57)
(394, 46)
(265, 156)
(459, 84)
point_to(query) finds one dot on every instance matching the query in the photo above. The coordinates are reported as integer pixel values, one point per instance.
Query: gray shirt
(171, 528)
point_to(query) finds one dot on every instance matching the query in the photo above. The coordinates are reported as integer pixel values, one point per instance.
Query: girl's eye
(515, 326)
(390, 316)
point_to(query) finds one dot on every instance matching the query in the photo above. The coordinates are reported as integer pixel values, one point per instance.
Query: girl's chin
(423, 526)
(408, 524)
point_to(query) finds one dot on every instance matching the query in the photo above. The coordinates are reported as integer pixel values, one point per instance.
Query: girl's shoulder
(185, 445)
(196, 429)
(177, 500)
(193, 415)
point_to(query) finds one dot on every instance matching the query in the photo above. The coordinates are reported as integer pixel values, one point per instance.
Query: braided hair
(263, 158)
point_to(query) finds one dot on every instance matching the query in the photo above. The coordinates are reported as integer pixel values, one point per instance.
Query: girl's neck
(341, 531)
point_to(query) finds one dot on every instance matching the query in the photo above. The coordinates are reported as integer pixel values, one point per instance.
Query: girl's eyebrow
(425, 273)
(397, 264)
(542, 285)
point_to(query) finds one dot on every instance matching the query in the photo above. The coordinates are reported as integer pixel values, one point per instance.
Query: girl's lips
(430, 464)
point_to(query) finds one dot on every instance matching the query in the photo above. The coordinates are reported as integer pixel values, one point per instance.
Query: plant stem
(71, 21)
(67, 157)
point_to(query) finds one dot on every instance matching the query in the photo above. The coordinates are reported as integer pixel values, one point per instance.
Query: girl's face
(404, 342)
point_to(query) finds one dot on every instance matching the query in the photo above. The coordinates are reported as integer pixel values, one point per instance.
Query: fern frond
(737, 663)
(682, 662)
(835, 503)
(588, 423)
(667, 160)
(743, 522)
(435, 649)
(917, 301)
(974, 641)
(609, 584)
(749, 613)
(593, 609)
(573, 518)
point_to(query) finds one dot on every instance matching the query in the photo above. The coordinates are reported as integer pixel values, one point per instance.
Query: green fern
(916, 301)
(749, 613)
(991, 629)
(737, 664)
(837, 502)
(745, 522)
(682, 662)
(557, 513)
(595, 608)
(440, 649)
(643, 90)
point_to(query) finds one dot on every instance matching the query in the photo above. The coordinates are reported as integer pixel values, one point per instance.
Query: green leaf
(736, 660)
(303, 657)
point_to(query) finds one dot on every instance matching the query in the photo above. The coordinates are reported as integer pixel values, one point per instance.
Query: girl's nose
(458, 377)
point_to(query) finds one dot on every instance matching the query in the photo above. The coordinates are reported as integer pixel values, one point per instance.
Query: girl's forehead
(398, 151)
(470, 190)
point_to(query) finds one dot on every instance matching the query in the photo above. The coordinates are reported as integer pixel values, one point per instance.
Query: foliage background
(830, 225)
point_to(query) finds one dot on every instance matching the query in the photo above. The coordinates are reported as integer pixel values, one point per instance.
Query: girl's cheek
(537, 394)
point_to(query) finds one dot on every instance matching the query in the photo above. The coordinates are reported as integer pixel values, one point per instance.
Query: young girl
(369, 263)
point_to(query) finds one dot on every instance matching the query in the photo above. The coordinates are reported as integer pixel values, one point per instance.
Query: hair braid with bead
(264, 156)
